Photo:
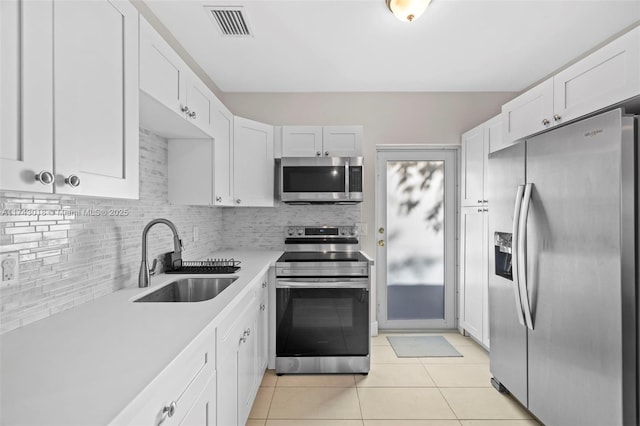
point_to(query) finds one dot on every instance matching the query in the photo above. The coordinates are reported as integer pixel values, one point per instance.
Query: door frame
(451, 247)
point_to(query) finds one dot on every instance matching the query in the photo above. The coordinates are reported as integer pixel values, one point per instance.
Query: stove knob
(343, 232)
(291, 231)
(300, 232)
(352, 232)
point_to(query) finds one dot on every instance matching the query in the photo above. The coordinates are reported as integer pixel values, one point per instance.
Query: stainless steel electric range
(322, 302)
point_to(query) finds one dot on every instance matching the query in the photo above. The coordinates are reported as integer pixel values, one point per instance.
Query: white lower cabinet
(240, 362)
(182, 393)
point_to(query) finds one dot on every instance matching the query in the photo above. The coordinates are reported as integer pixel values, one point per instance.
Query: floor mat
(422, 346)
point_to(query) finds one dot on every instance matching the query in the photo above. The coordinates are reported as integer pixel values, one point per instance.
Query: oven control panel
(320, 231)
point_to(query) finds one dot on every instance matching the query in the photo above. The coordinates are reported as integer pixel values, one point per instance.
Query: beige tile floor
(397, 392)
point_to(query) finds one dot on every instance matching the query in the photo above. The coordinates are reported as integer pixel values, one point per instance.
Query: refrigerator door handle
(515, 255)
(522, 255)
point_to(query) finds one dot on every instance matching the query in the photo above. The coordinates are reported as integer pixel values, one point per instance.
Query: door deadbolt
(381, 243)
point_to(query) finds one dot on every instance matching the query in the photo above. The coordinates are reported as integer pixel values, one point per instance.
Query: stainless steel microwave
(323, 180)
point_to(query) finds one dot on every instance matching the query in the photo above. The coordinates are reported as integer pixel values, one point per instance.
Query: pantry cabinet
(83, 140)
(322, 141)
(608, 76)
(474, 226)
(222, 120)
(175, 103)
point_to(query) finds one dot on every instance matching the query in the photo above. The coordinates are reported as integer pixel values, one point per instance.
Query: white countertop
(84, 365)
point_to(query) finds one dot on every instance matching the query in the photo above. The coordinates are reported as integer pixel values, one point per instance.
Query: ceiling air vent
(231, 20)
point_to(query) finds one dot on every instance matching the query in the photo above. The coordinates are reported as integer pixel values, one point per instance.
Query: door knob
(381, 243)
(326, 153)
(557, 117)
(192, 114)
(545, 122)
(318, 153)
(381, 230)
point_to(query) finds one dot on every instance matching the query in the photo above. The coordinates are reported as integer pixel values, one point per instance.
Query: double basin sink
(195, 289)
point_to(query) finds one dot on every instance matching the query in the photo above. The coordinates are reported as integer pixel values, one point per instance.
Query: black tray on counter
(211, 266)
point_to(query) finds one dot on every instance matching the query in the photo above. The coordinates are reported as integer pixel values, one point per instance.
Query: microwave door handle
(522, 256)
(515, 255)
(346, 178)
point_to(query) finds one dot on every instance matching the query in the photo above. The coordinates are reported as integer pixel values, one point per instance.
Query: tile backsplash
(75, 249)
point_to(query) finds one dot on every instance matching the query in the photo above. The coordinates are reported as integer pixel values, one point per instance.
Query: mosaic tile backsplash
(69, 259)
(75, 249)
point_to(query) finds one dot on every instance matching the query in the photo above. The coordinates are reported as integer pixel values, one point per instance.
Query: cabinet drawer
(181, 382)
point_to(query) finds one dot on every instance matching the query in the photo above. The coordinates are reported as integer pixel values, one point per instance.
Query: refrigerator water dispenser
(503, 254)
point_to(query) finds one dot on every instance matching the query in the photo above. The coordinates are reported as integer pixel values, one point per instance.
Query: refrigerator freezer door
(575, 273)
(508, 356)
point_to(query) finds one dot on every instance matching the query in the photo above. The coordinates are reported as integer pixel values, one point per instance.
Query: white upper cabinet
(175, 102)
(322, 141)
(474, 166)
(253, 163)
(96, 98)
(222, 121)
(529, 113)
(71, 110)
(26, 101)
(342, 141)
(609, 75)
(301, 141)
(604, 78)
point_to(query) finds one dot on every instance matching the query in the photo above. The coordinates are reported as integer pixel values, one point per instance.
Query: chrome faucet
(145, 273)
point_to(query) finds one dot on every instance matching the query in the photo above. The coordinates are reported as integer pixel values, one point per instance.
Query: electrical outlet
(195, 234)
(9, 267)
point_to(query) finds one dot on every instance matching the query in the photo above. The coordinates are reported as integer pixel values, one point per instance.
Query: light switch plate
(9, 268)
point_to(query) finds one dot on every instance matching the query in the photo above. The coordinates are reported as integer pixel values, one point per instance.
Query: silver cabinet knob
(192, 114)
(238, 201)
(218, 199)
(318, 153)
(485, 201)
(72, 180)
(184, 109)
(545, 122)
(479, 201)
(556, 117)
(479, 210)
(247, 332)
(45, 178)
(262, 307)
(264, 285)
(326, 153)
(243, 339)
(169, 410)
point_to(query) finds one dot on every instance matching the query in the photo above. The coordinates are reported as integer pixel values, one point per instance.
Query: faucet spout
(144, 274)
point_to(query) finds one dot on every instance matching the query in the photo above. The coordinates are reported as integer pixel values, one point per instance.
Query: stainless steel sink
(189, 290)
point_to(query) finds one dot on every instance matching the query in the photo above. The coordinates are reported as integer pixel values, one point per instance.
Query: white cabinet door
(342, 141)
(96, 98)
(162, 71)
(473, 270)
(247, 366)
(263, 330)
(493, 135)
(473, 165)
(26, 94)
(253, 163)
(301, 141)
(529, 113)
(609, 75)
(199, 102)
(222, 122)
(203, 411)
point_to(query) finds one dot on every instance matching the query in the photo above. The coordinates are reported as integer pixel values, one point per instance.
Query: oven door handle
(322, 283)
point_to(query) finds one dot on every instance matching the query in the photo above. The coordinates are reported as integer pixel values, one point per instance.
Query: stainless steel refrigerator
(563, 275)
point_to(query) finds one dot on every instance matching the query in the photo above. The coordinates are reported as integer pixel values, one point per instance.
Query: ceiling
(358, 45)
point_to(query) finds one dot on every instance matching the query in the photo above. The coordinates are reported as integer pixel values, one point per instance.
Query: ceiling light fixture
(407, 10)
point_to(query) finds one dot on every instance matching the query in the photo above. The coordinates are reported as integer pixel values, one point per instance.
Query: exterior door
(415, 232)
